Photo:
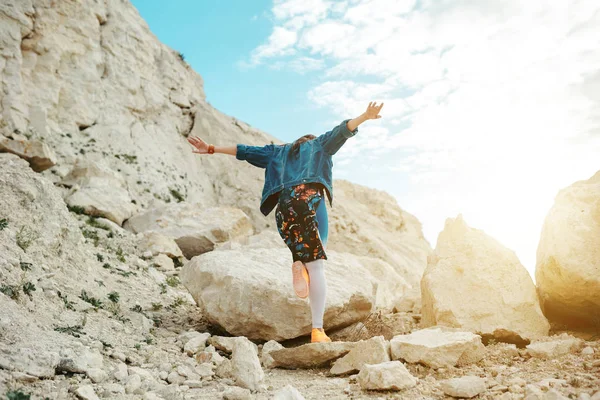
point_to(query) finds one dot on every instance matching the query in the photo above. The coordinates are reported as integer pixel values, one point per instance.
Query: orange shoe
(317, 335)
(301, 280)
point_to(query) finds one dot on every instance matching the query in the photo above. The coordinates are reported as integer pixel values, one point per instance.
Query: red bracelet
(211, 149)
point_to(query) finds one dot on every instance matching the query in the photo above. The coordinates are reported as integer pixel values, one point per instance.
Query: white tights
(317, 292)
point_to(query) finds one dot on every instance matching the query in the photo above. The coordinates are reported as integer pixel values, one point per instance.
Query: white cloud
(279, 44)
(491, 107)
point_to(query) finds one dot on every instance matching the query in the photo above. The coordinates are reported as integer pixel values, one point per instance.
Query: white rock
(246, 369)
(485, 277)
(225, 369)
(175, 378)
(391, 375)
(185, 371)
(156, 244)
(86, 392)
(587, 351)
(163, 375)
(438, 348)
(372, 351)
(133, 383)
(99, 190)
(194, 227)
(265, 359)
(288, 393)
(236, 393)
(226, 343)
(311, 355)
(265, 306)
(97, 375)
(463, 387)
(163, 262)
(568, 256)
(204, 370)
(193, 384)
(196, 344)
(555, 347)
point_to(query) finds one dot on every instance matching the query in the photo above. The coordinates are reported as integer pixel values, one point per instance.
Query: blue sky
(488, 107)
(215, 38)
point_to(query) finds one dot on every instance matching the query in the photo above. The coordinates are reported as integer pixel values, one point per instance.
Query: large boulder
(260, 301)
(474, 283)
(196, 228)
(99, 190)
(568, 256)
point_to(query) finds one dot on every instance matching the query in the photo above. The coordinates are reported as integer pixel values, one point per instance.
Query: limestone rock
(555, 347)
(372, 351)
(470, 277)
(195, 228)
(236, 393)
(157, 243)
(164, 263)
(464, 387)
(311, 355)
(391, 375)
(39, 155)
(438, 348)
(97, 375)
(265, 359)
(225, 343)
(196, 344)
(262, 303)
(99, 190)
(246, 369)
(86, 392)
(288, 393)
(568, 256)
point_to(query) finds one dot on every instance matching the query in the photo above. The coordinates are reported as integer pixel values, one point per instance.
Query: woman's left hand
(200, 146)
(373, 111)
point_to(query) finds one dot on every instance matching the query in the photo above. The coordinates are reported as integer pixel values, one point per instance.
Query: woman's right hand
(200, 146)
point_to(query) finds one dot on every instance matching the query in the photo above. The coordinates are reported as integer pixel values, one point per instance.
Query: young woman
(297, 176)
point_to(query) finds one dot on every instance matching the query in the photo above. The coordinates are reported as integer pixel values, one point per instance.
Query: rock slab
(438, 348)
(391, 375)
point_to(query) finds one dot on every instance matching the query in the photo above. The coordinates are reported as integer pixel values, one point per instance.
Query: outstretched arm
(333, 140)
(258, 156)
(201, 147)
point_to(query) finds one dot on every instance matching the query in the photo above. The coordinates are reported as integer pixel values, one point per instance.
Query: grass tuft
(91, 300)
(172, 281)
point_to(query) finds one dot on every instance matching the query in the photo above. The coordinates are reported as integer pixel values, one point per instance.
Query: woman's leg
(318, 291)
(316, 271)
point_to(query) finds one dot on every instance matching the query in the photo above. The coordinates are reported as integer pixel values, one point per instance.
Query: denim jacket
(313, 163)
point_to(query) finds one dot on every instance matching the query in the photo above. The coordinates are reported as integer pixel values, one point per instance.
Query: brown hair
(299, 141)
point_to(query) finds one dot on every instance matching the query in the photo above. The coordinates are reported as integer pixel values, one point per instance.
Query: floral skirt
(297, 223)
